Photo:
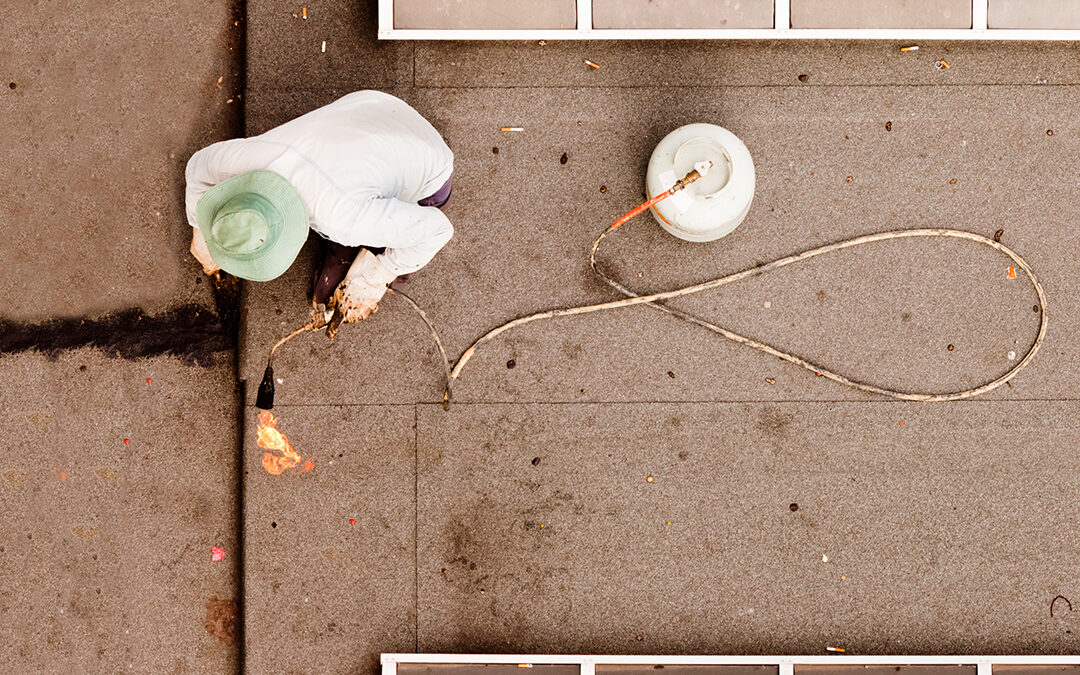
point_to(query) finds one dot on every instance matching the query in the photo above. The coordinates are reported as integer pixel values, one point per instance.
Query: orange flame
(271, 439)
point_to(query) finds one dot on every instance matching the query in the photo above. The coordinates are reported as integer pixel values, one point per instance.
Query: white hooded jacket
(361, 165)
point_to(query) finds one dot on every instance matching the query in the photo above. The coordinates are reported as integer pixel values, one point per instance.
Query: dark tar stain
(191, 333)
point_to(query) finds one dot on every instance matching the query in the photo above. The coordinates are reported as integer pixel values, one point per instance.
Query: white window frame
(781, 30)
(785, 664)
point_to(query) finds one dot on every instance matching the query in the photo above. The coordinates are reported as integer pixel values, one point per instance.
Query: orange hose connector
(680, 184)
(642, 207)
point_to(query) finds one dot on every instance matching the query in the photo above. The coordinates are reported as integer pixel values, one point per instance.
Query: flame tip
(270, 438)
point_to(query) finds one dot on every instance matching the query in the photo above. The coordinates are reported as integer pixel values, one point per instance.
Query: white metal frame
(781, 29)
(587, 664)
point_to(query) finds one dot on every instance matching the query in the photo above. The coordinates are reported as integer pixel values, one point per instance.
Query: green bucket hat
(254, 224)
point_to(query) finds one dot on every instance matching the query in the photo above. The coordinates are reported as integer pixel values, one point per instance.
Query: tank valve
(700, 169)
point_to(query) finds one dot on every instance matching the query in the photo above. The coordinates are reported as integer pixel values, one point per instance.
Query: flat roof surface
(784, 512)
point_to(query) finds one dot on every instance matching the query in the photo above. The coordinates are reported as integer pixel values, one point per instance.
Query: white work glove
(365, 284)
(202, 253)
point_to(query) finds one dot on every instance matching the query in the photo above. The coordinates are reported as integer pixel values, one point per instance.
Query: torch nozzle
(265, 399)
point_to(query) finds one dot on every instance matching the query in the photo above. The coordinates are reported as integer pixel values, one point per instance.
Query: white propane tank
(715, 204)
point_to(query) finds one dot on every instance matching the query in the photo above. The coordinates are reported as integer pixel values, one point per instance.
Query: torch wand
(265, 398)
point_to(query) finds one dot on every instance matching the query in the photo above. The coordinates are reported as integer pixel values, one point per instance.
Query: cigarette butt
(512, 129)
(324, 46)
(910, 48)
(943, 64)
(591, 64)
(1012, 272)
(303, 13)
(219, 80)
(839, 650)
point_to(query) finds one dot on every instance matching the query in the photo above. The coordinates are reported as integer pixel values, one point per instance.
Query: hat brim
(286, 237)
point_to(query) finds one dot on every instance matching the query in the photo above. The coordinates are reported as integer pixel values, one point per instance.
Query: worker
(367, 173)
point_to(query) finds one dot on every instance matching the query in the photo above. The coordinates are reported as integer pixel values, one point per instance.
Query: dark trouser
(336, 258)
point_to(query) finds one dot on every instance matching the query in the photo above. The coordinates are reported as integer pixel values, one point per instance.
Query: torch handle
(335, 323)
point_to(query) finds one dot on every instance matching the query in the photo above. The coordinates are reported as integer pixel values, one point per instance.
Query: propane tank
(715, 204)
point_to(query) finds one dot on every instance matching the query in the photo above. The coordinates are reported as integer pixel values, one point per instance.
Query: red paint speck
(63, 475)
(149, 380)
(352, 521)
(216, 554)
(126, 441)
